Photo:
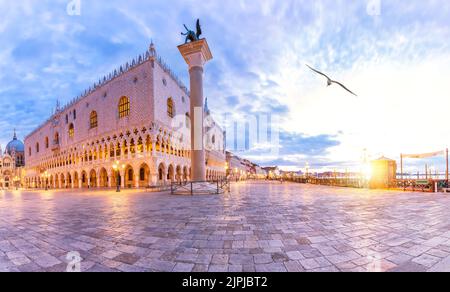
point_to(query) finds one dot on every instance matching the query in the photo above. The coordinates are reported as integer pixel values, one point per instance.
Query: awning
(424, 155)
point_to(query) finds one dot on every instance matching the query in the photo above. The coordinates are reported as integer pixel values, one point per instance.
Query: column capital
(196, 54)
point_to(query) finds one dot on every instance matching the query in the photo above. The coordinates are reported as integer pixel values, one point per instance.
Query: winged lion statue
(192, 36)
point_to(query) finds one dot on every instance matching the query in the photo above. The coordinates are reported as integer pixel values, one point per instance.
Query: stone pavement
(259, 227)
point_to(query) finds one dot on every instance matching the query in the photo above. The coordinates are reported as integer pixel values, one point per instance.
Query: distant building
(12, 163)
(260, 172)
(237, 168)
(273, 172)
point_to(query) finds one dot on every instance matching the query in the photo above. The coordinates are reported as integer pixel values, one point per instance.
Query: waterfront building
(131, 128)
(273, 172)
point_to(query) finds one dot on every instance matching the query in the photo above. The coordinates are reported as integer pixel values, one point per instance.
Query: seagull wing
(318, 72)
(342, 85)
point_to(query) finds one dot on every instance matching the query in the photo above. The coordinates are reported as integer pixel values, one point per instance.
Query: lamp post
(116, 170)
(227, 168)
(16, 182)
(46, 176)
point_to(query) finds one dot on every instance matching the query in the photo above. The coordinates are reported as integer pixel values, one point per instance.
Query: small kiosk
(384, 172)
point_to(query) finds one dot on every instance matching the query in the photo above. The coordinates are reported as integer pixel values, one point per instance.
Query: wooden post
(426, 171)
(446, 171)
(401, 167)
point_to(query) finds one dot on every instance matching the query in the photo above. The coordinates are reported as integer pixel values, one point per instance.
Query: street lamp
(116, 171)
(46, 176)
(116, 168)
(16, 182)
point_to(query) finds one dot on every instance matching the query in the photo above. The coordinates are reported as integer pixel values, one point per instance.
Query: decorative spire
(206, 107)
(58, 106)
(15, 136)
(152, 49)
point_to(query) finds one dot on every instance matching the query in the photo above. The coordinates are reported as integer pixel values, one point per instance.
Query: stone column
(122, 179)
(196, 55)
(153, 179)
(136, 180)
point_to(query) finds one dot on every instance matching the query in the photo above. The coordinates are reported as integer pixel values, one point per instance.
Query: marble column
(136, 180)
(196, 55)
(122, 179)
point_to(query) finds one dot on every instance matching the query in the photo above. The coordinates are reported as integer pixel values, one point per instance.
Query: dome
(15, 145)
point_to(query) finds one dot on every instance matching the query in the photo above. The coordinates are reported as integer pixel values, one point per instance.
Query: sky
(394, 54)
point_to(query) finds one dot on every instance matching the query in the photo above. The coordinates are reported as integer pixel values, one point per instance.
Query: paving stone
(343, 257)
(183, 267)
(295, 255)
(273, 267)
(442, 266)
(126, 258)
(221, 259)
(409, 267)
(262, 258)
(426, 260)
(218, 268)
(294, 266)
(309, 264)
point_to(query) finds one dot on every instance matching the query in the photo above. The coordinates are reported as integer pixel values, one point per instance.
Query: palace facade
(132, 128)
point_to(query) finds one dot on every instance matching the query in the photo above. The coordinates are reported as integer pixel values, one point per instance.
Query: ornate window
(37, 147)
(142, 174)
(124, 107)
(46, 143)
(170, 108)
(93, 120)
(56, 139)
(71, 131)
(29, 151)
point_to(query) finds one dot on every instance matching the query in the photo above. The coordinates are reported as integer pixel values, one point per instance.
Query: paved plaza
(259, 227)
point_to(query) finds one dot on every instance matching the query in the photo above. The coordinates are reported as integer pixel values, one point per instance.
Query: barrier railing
(424, 185)
(200, 187)
(328, 181)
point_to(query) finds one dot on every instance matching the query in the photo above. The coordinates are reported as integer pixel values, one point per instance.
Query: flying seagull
(330, 81)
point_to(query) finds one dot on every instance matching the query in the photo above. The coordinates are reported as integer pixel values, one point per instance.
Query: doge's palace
(132, 124)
